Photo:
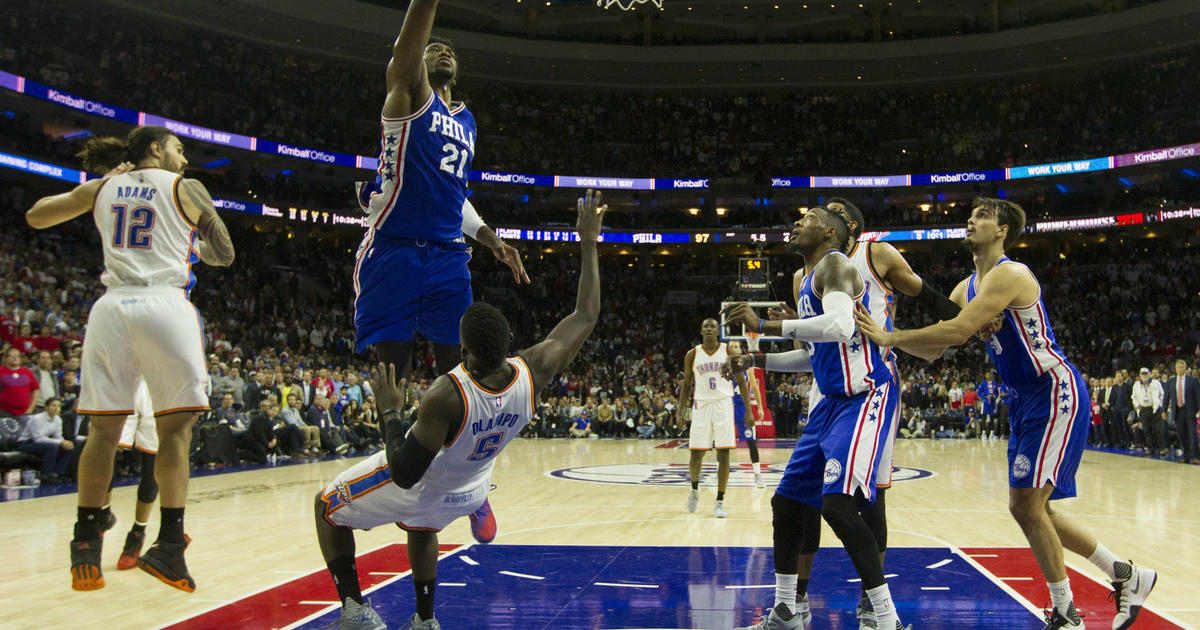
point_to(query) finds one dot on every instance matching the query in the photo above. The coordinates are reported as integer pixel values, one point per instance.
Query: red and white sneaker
(483, 523)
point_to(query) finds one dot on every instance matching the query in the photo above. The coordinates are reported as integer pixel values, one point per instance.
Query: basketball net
(752, 341)
(626, 5)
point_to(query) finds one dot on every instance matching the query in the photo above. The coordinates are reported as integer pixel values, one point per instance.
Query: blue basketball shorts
(405, 286)
(1050, 421)
(841, 448)
(745, 430)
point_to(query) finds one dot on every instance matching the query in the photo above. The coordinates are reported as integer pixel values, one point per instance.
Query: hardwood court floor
(253, 529)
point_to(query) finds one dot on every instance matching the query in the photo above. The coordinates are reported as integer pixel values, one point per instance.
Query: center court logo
(676, 475)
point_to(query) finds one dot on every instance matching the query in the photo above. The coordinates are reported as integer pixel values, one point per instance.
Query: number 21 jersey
(424, 165)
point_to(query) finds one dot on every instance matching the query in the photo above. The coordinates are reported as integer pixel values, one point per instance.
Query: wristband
(760, 325)
(394, 410)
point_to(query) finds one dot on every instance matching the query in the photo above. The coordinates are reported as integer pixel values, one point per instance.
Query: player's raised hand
(509, 255)
(591, 216)
(782, 312)
(870, 327)
(389, 394)
(741, 313)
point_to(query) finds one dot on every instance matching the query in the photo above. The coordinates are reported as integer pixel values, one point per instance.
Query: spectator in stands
(24, 341)
(43, 435)
(581, 426)
(333, 437)
(256, 442)
(310, 436)
(47, 379)
(233, 385)
(228, 414)
(1183, 405)
(17, 386)
(1147, 401)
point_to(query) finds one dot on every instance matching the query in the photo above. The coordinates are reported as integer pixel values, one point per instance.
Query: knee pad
(839, 510)
(147, 486)
(798, 519)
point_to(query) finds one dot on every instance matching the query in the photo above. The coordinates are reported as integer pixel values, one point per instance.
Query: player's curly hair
(101, 155)
(485, 335)
(853, 214)
(837, 221)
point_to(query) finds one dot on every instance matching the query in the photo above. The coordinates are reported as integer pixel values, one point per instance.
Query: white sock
(885, 611)
(1060, 595)
(1105, 560)
(140, 524)
(785, 590)
(757, 469)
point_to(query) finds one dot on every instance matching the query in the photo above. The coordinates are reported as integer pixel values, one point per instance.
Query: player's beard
(439, 76)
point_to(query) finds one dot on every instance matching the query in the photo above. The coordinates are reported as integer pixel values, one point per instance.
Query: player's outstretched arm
(562, 344)
(55, 209)
(215, 247)
(899, 276)
(1000, 288)
(409, 456)
(407, 78)
(474, 227)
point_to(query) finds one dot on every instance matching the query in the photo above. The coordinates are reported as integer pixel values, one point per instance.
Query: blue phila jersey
(1024, 348)
(842, 369)
(989, 393)
(423, 169)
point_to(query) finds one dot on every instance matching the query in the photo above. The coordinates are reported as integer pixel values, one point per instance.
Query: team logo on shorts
(833, 471)
(1021, 467)
(343, 491)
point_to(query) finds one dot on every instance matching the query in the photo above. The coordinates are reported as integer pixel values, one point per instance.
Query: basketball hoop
(752, 341)
(626, 5)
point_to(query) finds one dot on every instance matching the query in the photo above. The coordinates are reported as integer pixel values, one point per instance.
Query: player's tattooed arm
(215, 247)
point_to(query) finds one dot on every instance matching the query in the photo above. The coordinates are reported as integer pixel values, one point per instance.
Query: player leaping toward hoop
(442, 468)
(1050, 416)
(833, 467)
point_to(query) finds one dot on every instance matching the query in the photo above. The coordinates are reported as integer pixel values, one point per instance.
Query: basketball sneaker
(356, 616)
(1131, 592)
(758, 481)
(803, 611)
(165, 562)
(85, 565)
(719, 510)
(133, 549)
(417, 624)
(693, 500)
(483, 523)
(780, 618)
(866, 615)
(1056, 620)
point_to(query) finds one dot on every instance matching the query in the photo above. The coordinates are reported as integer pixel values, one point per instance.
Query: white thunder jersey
(706, 369)
(148, 241)
(490, 421)
(881, 302)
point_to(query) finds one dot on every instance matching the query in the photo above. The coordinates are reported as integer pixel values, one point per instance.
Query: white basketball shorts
(140, 431)
(712, 425)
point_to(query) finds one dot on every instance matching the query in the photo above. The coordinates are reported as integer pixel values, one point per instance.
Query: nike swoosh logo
(1137, 585)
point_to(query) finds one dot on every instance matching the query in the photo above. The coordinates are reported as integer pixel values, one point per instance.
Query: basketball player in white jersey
(154, 225)
(885, 273)
(712, 411)
(442, 469)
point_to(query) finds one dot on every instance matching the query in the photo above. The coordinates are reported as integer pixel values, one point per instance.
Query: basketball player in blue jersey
(410, 272)
(441, 469)
(833, 467)
(747, 413)
(886, 274)
(989, 394)
(1049, 416)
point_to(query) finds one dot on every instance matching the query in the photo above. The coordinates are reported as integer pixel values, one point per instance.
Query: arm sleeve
(835, 324)
(471, 220)
(792, 361)
(938, 304)
(407, 460)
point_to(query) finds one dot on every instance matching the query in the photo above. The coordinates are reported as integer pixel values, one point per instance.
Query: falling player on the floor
(833, 467)
(442, 468)
(1049, 417)
(885, 273)
(712, 411)
(747, 430)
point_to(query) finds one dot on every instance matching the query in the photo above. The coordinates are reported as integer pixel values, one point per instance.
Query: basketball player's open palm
(591, 215)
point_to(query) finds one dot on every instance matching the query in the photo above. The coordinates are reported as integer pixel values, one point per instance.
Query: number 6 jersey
(424, 164)
(148, 240)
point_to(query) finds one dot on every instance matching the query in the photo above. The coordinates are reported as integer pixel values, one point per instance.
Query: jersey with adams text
(491, 419)
(424, 165)
(148, 241)
(706, 371)
(842, 369)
